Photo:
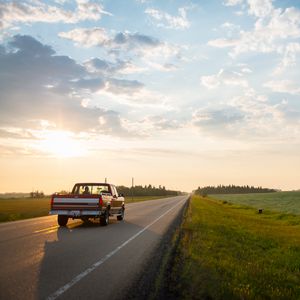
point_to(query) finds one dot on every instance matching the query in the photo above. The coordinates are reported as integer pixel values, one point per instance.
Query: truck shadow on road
(72, 249)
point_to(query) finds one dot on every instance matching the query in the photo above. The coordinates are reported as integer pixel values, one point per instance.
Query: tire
(121, 216)
(104, 220)
(62, 220)
(85, 220)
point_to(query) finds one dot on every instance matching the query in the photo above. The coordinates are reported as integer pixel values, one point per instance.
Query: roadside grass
(286, 202)
(24, 208)
(232, 252)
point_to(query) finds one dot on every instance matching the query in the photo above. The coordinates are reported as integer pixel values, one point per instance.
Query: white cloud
(272, 27)
(125, 44)
(210, 81)
(262, 120)
(289, 58)
(223, 43)
(163, 19)
(30, 12)
(87, 37)
(283, 86)
(98, 36)
(224, 77)
(260, 8)
(162, 67)
(142, 97)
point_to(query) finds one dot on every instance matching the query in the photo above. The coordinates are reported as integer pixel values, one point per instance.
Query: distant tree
(232, 189)
(37, 194)
(149, 190)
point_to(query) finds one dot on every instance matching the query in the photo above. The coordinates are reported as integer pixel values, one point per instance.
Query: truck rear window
(90, 189)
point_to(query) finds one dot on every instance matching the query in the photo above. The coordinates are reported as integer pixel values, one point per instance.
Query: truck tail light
(100, 201)
(52, 200)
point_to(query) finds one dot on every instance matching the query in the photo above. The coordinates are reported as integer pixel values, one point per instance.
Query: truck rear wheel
(121, 216)
(85, 220)
(104, 219)
(62, 220)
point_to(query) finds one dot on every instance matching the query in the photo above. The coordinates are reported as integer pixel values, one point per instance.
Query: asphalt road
(39, 260)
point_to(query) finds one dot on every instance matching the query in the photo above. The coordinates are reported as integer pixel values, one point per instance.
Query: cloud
(38, 85)
(12, 150)
(232, 2)
(163, 19)
(259, 114)
(219, 121)
(97, 36)
(12, 13)
(147, 51)
(123, 86)
(112, 124)
(224, 77)
(132, 40)
(20, 134)
(86, 37)
(248, 116)
(163, 123)
(283, 86)
(272, 27)
(224, 122)
(260, 8)
(223, 43)
(105, 67)
(289, 57)
(90, 84)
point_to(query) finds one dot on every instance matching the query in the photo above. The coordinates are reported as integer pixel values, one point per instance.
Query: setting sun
(61, 144)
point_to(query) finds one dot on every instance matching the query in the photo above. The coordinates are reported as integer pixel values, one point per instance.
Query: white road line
(83, 274)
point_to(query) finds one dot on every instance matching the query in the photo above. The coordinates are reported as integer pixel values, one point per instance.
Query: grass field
(25, 208)
(287, 202)
(232, 252)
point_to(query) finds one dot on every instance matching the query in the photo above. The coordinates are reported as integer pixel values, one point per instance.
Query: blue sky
(179, 93)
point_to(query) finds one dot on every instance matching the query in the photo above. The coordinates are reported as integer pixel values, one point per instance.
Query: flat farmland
(23, 208)
(229, 251)
(286, 202)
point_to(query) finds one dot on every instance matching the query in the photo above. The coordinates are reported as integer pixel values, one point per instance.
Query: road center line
(83, 274)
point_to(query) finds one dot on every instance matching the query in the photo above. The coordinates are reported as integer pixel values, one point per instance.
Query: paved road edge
(148, 285)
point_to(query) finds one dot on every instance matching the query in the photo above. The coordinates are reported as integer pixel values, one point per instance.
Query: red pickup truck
(88, 200)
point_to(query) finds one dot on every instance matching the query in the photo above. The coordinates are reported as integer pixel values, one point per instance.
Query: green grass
(232, 252)
(24, 208)
(287, 202)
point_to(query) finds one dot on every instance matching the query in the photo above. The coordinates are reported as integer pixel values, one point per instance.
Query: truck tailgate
(78, 205)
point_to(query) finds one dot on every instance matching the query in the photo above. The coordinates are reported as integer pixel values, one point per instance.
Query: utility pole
(132, 184)
(105, 180)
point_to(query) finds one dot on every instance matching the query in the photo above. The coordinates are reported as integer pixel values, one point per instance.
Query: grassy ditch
(24, 208)
(231, 252)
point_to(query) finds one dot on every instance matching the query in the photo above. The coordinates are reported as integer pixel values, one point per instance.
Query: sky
(175, 93)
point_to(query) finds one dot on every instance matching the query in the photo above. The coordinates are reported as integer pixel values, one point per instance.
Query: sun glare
(61, 144)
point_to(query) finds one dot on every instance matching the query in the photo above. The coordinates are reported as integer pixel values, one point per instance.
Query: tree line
(147, 190)
(36, 194)
(231, 189)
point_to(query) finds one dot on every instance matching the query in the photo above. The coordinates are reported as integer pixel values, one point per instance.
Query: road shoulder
(150, 284)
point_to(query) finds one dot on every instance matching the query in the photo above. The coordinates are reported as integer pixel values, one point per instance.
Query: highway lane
(39, 260)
